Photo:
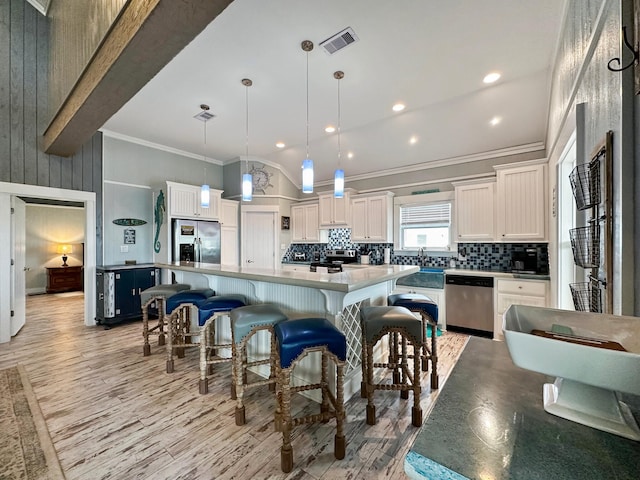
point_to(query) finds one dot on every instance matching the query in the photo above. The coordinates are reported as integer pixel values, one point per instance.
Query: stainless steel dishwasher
(469, 302)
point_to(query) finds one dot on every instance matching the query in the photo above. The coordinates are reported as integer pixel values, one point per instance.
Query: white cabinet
(334, 212)
(229, 243)
(372, 218)
(509, 292)
(184, 202)
(304, 224)
(475, 211)
(434, 294)
(521, 203)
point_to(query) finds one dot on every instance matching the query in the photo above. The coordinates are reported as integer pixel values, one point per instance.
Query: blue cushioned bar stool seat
(156, 296)
(295, 339)
(209, 312)
(179, 320)
(428, 310)
(376, 323)
(245, 323)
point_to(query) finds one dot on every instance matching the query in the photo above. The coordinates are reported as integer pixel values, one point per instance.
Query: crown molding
(157, 146)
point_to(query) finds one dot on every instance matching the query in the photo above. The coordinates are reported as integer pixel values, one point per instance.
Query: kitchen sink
(427, 277)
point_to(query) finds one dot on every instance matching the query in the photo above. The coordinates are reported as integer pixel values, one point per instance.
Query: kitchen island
(335, 296)
(489, 422)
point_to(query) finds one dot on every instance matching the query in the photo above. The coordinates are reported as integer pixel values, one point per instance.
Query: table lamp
(64, 249)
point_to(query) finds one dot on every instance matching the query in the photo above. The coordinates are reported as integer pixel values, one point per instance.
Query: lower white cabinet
(434, 294)
(509, 292)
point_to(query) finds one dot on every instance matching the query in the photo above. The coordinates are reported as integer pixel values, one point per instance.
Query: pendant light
(247, 181)
(307, 163)
(338, 178)
(204, 189)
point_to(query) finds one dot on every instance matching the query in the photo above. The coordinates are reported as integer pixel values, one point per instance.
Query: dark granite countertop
(489, 423)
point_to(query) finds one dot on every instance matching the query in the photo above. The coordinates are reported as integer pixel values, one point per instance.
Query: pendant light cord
(246, 90)
(339, 125)
(307, 104)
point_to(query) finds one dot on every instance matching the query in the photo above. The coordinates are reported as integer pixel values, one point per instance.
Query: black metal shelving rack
(592, 244)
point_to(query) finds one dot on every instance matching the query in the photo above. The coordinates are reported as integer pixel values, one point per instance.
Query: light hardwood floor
(113, 413)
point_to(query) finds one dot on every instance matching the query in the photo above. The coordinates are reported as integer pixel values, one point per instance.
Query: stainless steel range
(341, 256)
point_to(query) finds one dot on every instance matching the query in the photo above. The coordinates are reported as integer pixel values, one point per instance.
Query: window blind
(426, 214)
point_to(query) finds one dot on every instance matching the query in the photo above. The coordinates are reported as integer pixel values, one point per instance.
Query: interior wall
(46, 227)
(590, 38)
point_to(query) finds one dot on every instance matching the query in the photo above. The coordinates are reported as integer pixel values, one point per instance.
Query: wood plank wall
(73, 43)
(24, 111)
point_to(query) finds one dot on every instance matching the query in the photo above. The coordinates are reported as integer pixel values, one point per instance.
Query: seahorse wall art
(159, 219)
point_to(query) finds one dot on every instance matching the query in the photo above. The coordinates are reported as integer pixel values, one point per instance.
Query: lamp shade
(204, 196)
(247, 187)
(64, 248)
(338, 183)
(307, 176)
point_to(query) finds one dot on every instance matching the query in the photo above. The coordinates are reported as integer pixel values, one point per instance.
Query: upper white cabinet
(229, 213)
(334, 212)
(184, 202)
(475, 211)
(305, 223)
(372, 218)
(521, 203)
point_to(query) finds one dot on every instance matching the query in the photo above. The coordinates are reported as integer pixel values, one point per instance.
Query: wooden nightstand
(64, 279)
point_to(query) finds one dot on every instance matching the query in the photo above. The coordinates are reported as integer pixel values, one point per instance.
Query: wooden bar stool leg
(434, 358)
(394, 358)
(239, 366)
(324, 406)
(286, 452)
(173, 319)
(160, 304)
(203, 384)
(371, 408)
(146, 348)
(364, 364)
(340, 443)
(273, 358)
(404, 369)
(416, 411)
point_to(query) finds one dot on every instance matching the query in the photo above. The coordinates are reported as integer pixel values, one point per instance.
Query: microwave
(525, 261)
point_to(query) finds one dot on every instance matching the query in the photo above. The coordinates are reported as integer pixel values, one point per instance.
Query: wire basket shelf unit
(585, 243)
(586, 296)
(592, 244)
(585, 183)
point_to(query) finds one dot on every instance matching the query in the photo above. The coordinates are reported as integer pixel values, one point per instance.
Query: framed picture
(286, 223)
(129, 236)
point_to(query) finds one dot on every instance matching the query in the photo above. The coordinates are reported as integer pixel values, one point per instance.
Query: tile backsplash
(477, 256)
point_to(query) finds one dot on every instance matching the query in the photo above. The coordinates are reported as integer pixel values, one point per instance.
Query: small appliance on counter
(299, 257)
(525, 261)
(330, 267)
(341, 256)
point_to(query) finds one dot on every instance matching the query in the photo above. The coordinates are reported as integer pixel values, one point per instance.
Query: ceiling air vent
(340, 40)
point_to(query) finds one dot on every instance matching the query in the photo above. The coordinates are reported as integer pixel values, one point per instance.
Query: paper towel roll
(387, 255)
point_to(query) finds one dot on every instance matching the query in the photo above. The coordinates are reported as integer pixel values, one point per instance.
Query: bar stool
(295, 340)
(428, 310)
(377, 322)
(159, 295)
(208, 313)
(179, 317)
(245, 323)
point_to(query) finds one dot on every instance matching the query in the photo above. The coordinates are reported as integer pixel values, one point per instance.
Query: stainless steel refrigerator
(196, 241)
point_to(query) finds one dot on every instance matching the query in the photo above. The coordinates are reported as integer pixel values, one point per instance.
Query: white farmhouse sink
(587, 378)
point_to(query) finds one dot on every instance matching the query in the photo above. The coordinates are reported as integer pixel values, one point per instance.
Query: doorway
(259, 236)
(7, 256)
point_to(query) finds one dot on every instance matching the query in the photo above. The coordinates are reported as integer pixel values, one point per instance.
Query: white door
(18, 287)
(259, 237)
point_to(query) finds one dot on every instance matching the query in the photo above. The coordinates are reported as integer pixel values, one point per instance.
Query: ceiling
(429, 54)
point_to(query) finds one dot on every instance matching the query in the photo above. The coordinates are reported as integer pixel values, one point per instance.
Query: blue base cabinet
(118, 291)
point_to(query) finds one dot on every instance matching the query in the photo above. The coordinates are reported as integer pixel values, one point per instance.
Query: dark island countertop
(489, 423)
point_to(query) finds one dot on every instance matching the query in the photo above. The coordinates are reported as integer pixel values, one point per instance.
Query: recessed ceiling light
(280, 145)
(413, 140)
(329, 129)
(495, 121)
(350, 155)
(398, 107)
(491, 77)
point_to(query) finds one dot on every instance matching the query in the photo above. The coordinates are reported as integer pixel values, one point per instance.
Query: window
(425, 226)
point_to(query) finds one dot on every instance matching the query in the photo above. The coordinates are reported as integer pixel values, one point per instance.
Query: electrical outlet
(124, 248)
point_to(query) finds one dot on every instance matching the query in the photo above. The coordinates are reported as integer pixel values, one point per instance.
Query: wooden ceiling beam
(143, 39)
